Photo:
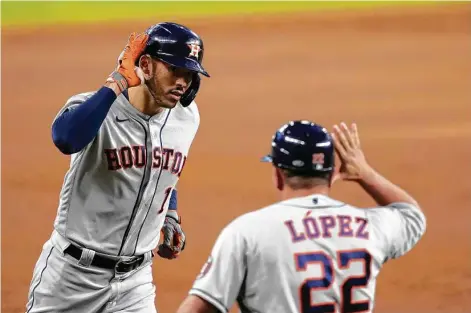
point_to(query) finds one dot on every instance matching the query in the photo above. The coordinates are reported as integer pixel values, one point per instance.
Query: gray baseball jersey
(113, 201)
(116, 193)
(309, 254)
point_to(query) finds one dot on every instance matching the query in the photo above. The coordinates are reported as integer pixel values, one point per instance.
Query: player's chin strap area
(191, 92)
(87, 257)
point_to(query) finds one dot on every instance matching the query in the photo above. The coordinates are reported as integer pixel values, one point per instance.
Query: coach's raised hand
(127, 74)
(347, 145)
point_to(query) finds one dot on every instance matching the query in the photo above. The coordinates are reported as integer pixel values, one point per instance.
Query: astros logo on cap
(194, 50)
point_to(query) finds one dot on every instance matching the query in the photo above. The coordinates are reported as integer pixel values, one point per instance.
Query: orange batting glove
(127, 74)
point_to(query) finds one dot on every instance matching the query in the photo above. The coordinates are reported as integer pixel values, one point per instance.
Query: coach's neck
(289, 193)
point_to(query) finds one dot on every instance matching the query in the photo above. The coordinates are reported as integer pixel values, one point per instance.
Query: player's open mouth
(176, 94)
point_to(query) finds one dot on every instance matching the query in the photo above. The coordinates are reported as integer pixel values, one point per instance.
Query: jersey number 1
(311, 284)
(166, 195)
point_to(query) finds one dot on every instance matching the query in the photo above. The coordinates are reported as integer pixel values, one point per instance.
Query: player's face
(169, 83)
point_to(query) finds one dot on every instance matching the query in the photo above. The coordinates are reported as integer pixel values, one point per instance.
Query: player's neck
(288, 193)
(142, 100)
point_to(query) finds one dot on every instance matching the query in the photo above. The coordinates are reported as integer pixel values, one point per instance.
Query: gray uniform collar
(314, 201)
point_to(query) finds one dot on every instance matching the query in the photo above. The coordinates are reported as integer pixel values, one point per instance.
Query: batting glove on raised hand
(174, 238)
(126, 73)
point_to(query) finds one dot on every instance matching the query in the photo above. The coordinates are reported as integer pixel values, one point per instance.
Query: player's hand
(126, 73)
(174, 239)
(353, 165)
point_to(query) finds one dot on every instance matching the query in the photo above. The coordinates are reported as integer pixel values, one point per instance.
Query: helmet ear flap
(190, 94)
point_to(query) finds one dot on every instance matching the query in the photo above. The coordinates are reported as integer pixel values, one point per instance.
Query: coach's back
(309, 253)
(316, 254)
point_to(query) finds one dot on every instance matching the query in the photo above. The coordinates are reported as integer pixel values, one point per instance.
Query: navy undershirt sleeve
(173, 200)
(74, 129)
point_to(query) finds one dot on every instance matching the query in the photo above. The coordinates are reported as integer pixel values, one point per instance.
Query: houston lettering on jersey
(328, 226)
(135, 156)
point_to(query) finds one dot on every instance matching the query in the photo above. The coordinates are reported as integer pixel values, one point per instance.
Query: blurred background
(401, 70)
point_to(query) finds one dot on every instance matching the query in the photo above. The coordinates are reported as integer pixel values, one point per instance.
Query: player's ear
(147, 66)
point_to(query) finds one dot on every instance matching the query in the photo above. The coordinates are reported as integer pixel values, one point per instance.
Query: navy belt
(105, 262)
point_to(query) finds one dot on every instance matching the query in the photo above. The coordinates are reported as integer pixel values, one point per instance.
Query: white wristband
(173, 214)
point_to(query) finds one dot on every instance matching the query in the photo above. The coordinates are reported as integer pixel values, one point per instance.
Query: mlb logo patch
(318, 160)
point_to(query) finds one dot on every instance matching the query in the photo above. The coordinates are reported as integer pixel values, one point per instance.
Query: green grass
(30, 13)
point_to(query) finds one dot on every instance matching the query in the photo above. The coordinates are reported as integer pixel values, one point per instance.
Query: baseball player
(129, 142)
(309, 252)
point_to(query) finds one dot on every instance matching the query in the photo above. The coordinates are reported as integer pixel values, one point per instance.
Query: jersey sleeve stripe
(206, 296)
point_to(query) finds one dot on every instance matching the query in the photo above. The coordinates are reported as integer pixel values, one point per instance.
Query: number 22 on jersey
(347, 284)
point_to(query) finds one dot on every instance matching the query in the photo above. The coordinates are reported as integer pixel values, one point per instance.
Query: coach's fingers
(342, 137)
(356, 137)
(340, 151)
(339, 139)
(348, 135)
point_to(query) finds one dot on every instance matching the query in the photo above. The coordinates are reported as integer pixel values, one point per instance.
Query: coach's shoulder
(411, 211)
(397, 215)
(397, 208)
(254, 219)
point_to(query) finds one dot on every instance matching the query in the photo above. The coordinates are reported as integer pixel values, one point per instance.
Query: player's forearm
(76, 128)
(172, 205)
(383, 191)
